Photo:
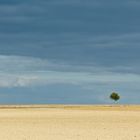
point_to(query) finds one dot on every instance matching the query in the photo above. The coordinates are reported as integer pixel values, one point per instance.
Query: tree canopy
(114, 96)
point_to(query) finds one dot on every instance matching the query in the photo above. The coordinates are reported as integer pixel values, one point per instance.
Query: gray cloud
(92, 46)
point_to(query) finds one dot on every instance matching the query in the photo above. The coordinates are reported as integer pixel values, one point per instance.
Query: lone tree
(114, 96)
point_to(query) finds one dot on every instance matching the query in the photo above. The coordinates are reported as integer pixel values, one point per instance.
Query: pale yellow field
(59, 122)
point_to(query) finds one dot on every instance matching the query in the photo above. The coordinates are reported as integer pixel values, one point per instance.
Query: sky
(69, 51)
